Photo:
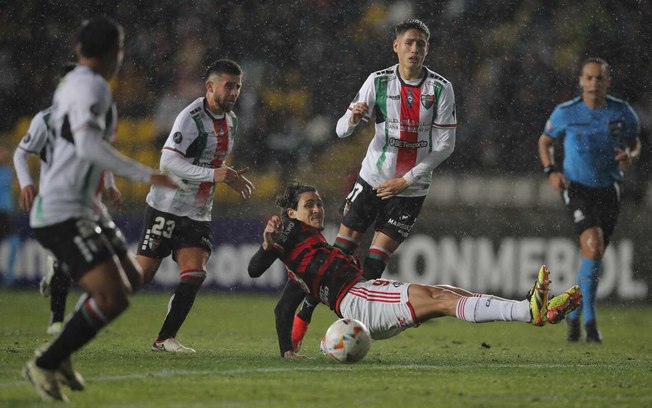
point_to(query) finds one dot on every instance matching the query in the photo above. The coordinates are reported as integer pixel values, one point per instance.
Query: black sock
(79, 330)
(180, 305)
(308, 308)
(373, 268)
(59, 285)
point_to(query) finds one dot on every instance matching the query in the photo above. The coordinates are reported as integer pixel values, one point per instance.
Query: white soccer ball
(346, 341)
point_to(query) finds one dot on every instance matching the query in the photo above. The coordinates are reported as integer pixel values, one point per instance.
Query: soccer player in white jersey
(178, 222)
(67, 217)
(414, 113)
(38, 141)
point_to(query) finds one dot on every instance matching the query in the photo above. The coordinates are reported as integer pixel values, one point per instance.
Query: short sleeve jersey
(39, 141)
(71, 186)
(201, 139)
(321, 269)
(411, 119)
(590, 137)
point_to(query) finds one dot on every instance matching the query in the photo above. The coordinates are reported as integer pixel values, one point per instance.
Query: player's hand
(391, 188)
(359, 112)
(115, 196)
(161, 179)
(292, 354)
(242, 185)
(557, 181)
(26, 198)
(624, 158)
(272, 231)
(225, 175)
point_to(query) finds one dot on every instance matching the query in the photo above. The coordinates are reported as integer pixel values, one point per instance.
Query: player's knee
(112, 304)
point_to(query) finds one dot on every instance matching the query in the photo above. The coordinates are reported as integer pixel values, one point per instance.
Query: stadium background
(490, 217)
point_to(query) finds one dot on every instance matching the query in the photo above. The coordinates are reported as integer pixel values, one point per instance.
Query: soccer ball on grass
(346, 341)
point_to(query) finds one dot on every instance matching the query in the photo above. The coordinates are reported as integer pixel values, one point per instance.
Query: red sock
(299, 329)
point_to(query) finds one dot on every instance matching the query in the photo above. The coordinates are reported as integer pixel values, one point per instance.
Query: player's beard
(224, 105)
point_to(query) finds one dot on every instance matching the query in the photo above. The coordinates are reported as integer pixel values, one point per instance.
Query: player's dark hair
(413, 24)
(98, 36)
(596, 60)
(223, 66)
(290, 197)
(67, 67)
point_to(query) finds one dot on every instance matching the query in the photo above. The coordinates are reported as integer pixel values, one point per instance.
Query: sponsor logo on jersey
(323, 294)
(578, 216)
(394, 97)
(403, 144)
(427, 101)
(286, 232)
(177, 137)
(27, 138)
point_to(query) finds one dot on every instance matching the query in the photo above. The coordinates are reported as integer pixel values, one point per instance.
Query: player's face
(411, 47)
(594, 81)
(310, 210)
(222, 92)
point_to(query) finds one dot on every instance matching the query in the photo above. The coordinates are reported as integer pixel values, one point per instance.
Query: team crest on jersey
(427, 101)
(409, 98)
(177, 137)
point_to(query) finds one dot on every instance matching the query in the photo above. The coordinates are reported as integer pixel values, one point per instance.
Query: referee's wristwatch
(548, 170)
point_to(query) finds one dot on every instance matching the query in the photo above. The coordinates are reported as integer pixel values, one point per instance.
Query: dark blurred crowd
(510, 63)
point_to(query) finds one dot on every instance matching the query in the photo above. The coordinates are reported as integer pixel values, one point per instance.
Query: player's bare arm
(628, 156)
(242, 184)
(225, 175)
(26, 198)
(391, 188)
(555, 177)
(271, 232)
(359, 112)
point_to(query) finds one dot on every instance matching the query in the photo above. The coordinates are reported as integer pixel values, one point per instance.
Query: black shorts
(394, 217)
(165, 233)
(593, 207)
(80, 244)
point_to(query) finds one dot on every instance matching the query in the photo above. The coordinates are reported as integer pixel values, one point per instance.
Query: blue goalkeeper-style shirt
(590, 137)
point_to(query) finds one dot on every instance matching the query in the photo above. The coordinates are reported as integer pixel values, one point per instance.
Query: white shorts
(382, 305)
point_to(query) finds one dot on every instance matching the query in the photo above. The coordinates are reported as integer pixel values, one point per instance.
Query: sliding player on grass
(386, 307)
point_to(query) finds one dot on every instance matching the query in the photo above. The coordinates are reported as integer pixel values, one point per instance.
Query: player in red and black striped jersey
(385, 307)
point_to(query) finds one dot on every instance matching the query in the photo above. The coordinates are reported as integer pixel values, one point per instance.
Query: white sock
(486, 308)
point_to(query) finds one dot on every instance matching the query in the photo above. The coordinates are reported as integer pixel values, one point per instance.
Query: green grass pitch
(443, 363)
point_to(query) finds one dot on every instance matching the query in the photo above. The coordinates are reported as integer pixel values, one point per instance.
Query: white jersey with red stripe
(71, 185)
(203, 141)
(414, 127)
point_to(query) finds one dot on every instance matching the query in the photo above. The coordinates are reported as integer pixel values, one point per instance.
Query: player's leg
(359, 210)
(92, 259)
(59, 285)
(192, 265)
(381, 249)
(394, 222)
(437, 301)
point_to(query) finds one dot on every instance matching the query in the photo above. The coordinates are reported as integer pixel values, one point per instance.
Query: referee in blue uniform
(600, 136)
